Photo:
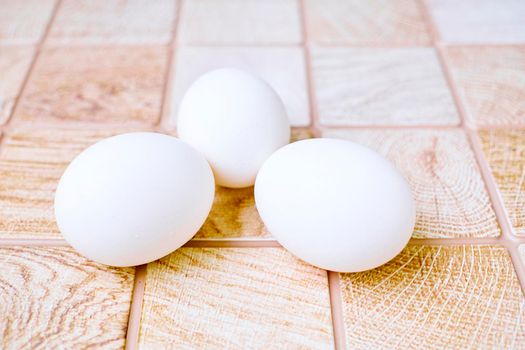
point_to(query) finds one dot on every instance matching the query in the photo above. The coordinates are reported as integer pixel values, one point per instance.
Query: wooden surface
(376, 22)
(111, 22)
(492, 82)
(367, 86)
(235, 298)
(451, 200)
(52, 298)
(240, 22)
(101, 84)
(413, 79)
(434, 298)
(505, 151)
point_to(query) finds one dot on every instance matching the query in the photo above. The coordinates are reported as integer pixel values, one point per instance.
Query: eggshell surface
(133, 198)
(236, 121)
(335, 204)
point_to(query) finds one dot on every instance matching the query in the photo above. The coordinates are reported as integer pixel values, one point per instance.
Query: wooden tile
(14, 63)
(113, 21)
(454, 297)
(505, 152)
(234, 214)
(24, 22)
(451, 200)
(356, 22)
(283, 68)
(479, 21)
(240, 22)
(31, 163)
(491, 81)
(53, 298)
(381, 86)
(103, 85)
(217, 298)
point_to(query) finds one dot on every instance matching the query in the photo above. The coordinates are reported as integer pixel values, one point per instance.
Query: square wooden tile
(451, 199)
(491, 81)
(234, 215)
(52, 298)
(220, 298)
(113, 21)
(283, 68)
(381, 86)
(505, 152)
(453, 297)
(109, 85)
(240, 22)
(31, 163)
(24, 22)
(14, 63)
(479, 21)
(356, 22)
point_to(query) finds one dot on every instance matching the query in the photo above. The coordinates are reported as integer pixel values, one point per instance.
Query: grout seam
(336, 305)
(135, 309)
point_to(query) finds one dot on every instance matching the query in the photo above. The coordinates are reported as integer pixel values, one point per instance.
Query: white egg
(335, 204)
(236, 121)
(133, 198)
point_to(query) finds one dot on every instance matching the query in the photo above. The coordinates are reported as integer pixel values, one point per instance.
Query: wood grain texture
(451, 200)
(120, 85)
(240, 22)
(505, 152)
(234, 214)
(282, 67)
(453, 297)
(376, 22)
(24, 22)
(52, 298)
(14, 63)
(31, 163)
(235, 298)
(113, 21)
(381, 86)
(479, 21)
(491, 81)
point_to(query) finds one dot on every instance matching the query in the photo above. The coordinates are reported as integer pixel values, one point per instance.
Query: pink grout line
(135, 311)
(507, 238)
(336, 303)
(233, 243)
(34, 242)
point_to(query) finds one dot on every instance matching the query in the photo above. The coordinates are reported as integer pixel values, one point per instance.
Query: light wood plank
(363, 86)
(453, 297)
(235, 298)
(505, 152)
(451, 200)
(52, 298)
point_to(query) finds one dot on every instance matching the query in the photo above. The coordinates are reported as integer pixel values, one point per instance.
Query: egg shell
(133, 198)
(236, 121)
(335, 204)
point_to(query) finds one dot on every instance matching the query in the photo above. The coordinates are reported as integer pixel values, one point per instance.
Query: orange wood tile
(283, 68)
(31, 163)
(113, 21)
(381, 86)
(217, 298)
(376, 22)
(240, 22)
(53, 298)
(491, 81)
(24, 22)
(102, 85)
(505, 152)
(435, 298)
(14, 63)
(479, 21)
(451, 200)
(234, 214)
